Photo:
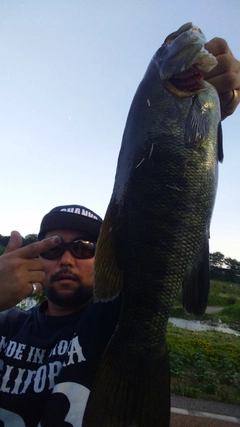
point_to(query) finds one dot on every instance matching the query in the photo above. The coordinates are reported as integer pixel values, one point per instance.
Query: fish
(155, 234)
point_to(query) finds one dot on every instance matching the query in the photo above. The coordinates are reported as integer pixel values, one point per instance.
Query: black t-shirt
(48, 364)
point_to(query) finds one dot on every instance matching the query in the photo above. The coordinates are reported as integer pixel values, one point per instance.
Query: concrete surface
(188, 412)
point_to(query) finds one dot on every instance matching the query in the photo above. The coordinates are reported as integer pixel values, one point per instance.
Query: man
(19, 268)
(49, 355)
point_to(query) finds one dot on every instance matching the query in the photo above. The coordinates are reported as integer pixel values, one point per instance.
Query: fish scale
(155, 234)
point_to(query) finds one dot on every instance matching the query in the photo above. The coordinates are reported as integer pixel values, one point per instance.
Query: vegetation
(203, 364)
(206, 364)
(221, 267)
(224, 268)
(30, 238)
(222, 294)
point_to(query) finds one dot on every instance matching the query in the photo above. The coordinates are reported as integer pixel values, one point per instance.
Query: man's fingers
(35, 289)
(34, 264)
(227, 66)
(218, 46)
(229, 102)
(14, 243)
(228, 87)
(20, 269)
(225, 77)
(225, 82)
(36, 248)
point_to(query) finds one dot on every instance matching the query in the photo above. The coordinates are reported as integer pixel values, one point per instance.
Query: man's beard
(77, 298)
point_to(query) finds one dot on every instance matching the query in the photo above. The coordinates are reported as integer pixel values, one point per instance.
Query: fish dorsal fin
(108, 276)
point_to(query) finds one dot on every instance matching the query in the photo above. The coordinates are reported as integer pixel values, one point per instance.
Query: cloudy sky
(69, 70)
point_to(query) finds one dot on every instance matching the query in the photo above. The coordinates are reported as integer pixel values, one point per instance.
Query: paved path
(213, 309)
(187, 412)
(194, 421)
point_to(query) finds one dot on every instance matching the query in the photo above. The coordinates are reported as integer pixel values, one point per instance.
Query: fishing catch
(155, 235)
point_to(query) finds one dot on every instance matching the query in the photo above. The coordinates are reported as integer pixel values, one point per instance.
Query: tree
(233, 264)
(30, 238)
(217, 259)
(4, 240)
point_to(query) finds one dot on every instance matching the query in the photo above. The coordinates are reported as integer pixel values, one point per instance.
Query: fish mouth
(189, 81)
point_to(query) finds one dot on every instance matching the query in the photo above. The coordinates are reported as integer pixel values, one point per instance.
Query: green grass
(223, 293)
(229, 314)
(206, 364)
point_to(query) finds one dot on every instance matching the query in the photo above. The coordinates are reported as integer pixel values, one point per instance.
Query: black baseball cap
(72, 217)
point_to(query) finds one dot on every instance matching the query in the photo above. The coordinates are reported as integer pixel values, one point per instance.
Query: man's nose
(67, 258)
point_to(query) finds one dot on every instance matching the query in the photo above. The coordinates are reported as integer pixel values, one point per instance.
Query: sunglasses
(82, 249)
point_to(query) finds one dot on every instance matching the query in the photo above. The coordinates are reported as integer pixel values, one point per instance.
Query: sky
(69, 71)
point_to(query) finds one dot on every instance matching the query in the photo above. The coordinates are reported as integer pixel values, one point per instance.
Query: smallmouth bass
(156, 230)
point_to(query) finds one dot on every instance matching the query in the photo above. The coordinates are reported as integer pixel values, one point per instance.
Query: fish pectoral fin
(129, 390)
(196, 285)
(107, 274)
(197, 125)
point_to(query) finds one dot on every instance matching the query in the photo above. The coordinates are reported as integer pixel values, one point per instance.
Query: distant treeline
(30, 238)
(224, 268)
(221, 267)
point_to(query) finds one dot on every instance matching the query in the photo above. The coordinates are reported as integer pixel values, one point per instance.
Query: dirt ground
(178, 420)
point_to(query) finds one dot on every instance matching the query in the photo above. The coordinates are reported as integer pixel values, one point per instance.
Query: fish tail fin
(108, 276)
(128, 392)
(195, 287)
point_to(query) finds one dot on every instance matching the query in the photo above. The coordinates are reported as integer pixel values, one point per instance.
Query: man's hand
(225, 77)
(19, 268)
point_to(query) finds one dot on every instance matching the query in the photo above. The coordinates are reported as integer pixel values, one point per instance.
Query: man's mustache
(63, 272)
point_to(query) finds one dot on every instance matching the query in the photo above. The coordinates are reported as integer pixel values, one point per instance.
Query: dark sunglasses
(82, 249)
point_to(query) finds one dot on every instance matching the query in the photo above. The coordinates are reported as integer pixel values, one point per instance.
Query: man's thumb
(14, 243)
